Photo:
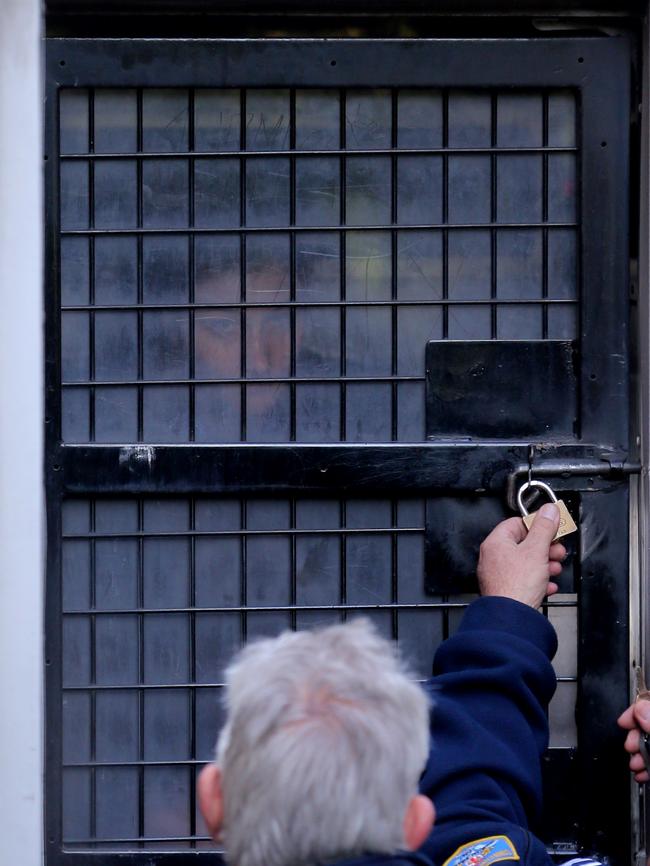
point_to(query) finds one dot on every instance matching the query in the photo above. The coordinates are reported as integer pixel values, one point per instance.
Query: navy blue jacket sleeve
(492, 684)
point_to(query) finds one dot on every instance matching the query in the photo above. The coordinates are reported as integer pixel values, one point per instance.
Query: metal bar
(185, 230)
(545, 215)
(114, 383)
(445, 214)
(493, 216)
(387, 151)
(460, 466)
(405, 62)
(287, 608)
(428, 302)
(233, 533)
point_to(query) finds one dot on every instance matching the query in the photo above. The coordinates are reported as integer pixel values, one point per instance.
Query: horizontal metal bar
(407, 302)
(136, 687)
(337, 469)
(194, 230)
(289, 608)
(257, 154)
(279, 380)
(133, 687)
(229, 533)
(138, 840)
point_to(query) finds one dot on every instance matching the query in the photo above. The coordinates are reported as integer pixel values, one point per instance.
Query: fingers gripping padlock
(567, 525)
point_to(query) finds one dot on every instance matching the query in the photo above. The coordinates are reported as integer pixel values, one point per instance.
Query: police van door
(315, 308)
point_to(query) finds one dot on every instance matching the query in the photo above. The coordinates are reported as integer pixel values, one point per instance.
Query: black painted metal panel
(501, 389)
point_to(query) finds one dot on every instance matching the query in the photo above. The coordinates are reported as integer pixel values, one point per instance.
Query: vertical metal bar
(545, 215)
(493, 215)
(445, 214)
(91, 260)
(93, 676)
(192, 695)
(394, 238)
(242, 257)
(140, 254)
(141, 692)
(243, 585)
(343, 586)
(191, 166)
(292, 260)
(292, 541)
(342, 261)
(394, 579)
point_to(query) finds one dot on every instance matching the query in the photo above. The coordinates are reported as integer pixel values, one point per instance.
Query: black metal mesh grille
(267, 265)
(159, 594)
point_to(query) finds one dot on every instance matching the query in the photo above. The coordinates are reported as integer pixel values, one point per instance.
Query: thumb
(544, 527)
(642, 715)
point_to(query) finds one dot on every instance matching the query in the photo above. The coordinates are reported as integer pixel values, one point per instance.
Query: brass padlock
(567, 524)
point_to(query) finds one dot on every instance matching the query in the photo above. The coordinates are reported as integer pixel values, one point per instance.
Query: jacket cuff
(498, 613)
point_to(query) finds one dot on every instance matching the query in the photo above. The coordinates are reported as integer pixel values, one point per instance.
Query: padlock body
(567, 524)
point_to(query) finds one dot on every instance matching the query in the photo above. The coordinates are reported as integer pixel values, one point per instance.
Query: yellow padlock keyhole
(567, 524)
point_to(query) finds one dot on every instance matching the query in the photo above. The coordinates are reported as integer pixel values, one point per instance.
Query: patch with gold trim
(483, 852)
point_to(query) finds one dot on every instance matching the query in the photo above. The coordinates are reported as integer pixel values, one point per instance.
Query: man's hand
(518, 564)
(636, 719)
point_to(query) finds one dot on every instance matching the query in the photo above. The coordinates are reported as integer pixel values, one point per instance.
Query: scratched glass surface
(520, 120)
(166, 413)
(470, 119)
(75, 270)
(523, 322)
(165, 269)
(74, 198)
(562, 201)
(419, 119)
(519, 263)
(318, 120)
(165, 120)
(115, 193)
(368, 119)
(217, 120)
(165, 193)
(416, 174)
(562, 263)
(562, 119)
(267, 192)
(519, 188)
(318, 196)
(216, 193)
(339, 278)
(368, 190)
(217, 268)
(470, 184)
(267, 120)
(116, 346)
(115, 126)
(115, 269)
(73, 120)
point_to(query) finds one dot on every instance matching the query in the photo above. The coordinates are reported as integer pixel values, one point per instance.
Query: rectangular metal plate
(501, 389)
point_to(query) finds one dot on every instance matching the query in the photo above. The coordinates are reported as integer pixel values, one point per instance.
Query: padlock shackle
(539, 484)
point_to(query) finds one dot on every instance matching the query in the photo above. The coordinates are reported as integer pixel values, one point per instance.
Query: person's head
(325, 739)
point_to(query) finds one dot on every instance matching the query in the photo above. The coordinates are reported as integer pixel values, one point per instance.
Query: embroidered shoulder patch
(483, 852)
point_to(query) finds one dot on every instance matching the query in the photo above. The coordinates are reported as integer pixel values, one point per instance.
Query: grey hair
(325, 740)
